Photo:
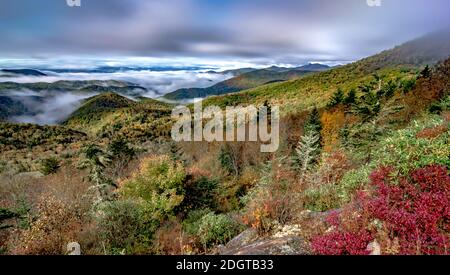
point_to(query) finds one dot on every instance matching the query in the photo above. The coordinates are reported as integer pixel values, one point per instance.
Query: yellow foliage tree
(332, 122)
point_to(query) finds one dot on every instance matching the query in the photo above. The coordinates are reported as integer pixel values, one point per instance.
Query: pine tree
(313, 122)
(407, 85)
(350, 98)
(309, 146)
(364, 136)
(268, 106)
(388, 90)
(368, 105)
(366, 88)
(426, 72)
(306, 152)
(119, 148)
(96, 160)
(336, 99)
(313, 126)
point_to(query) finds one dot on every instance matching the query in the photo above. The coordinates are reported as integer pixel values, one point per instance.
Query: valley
(363, 160)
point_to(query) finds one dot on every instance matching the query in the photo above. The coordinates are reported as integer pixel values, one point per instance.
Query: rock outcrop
(249, 243)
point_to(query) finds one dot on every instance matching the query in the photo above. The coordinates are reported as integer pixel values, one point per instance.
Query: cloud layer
(157, 82)
(257, 31)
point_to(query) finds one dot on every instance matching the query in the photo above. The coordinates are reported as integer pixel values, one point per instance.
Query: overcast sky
(196, 31)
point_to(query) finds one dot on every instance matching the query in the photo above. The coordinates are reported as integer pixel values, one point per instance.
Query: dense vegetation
(363, 163)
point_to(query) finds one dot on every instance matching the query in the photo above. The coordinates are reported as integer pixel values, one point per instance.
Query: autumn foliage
(413, 212)
(332, 121)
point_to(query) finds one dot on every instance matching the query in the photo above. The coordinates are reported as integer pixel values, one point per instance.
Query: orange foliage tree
(332, 122)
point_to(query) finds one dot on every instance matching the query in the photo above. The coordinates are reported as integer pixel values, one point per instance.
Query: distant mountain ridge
(22, 72)
(234, 72)
(247, 80)
(78, 85)
(316, 67)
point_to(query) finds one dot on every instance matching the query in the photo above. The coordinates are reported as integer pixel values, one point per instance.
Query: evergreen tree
(309, 146)
(96, 160)
(351, 97)
(313, 126)
(364, 136)
(336, 99)
(369, 104)
(269, 112)
(407, 85)
(268, 106)
(388, 90)
(368, 107)
(313, 122)
(426, 72)
(306, 152)
(119, 148)
(366, 88)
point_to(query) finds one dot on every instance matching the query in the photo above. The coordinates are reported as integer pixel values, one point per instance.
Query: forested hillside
(363, 168)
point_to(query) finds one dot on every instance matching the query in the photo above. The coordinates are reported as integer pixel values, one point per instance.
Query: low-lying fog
(46, 107)
(157, 82)
(52, 107)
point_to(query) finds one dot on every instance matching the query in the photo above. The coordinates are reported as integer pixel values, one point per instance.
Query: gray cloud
(261, 31)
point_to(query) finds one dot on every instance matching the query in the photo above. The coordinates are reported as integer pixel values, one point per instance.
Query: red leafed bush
(415, 211)
(342, 243)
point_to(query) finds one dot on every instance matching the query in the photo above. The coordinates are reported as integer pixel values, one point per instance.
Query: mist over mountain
(157, 81)
(45, 107)
(48, 96)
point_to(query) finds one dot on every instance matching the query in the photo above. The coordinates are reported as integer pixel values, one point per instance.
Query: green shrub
(407, 85)
(321, 198)
(124, 228)
(438, 107)
(351, 182)
(217, 229)
(404, 151)
(201, 193)
(226, 160)
(3, 165)
(191, 224)
(119, 149)
(49, 166)
(159, 184)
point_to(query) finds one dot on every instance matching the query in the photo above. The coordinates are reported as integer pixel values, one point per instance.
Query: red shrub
(430, 133)
(342, 243)
(415, 211)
